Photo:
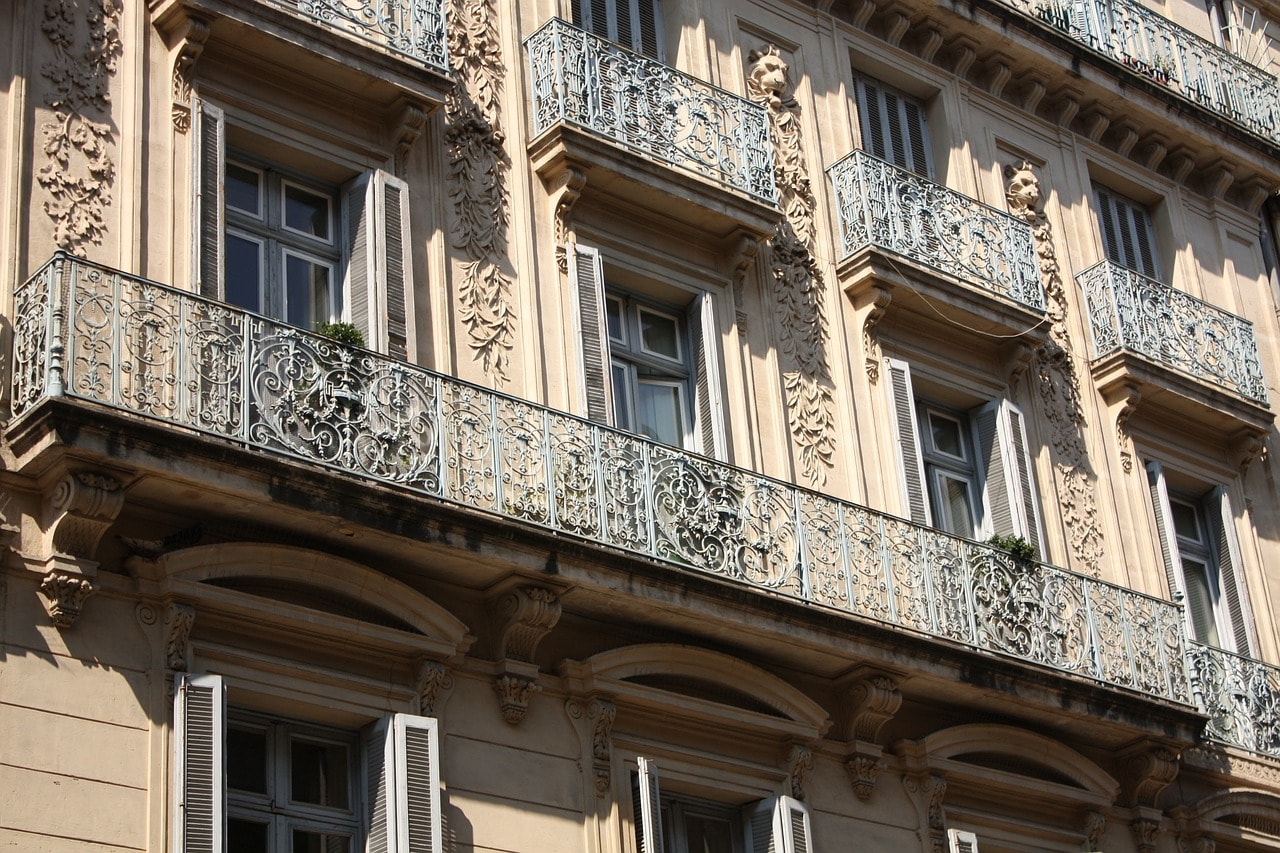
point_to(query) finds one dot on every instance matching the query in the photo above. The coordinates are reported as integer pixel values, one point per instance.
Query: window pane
(243, 189)
(246, 836)
(957, 507)
(247, 760)
(948, 437)
(622, 417)
(659, 334)
(1200, 601)
(613, 319)
(708, 834)
(658, 412)
(243, 273)
(310, 841)
(306, 292)
(306, 212)
(319, 773)
(1186, 521)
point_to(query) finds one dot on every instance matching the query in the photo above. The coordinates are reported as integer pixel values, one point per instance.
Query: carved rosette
(514, 693)
(65, 595)
(1059, 383)
(78, 135)
(178, 621)
(478, 170)
(798, 288)
(530, 612)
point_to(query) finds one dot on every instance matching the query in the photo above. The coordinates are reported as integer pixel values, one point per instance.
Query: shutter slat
(1025, 481)
(710, 402)
(587, 282)
(402, 775)
(917, 139)
(1229, 568)
(199, 794)
(794, 824)
(1107, 217)
(650, 815)
(1163, 515)
(357, 211)
(396, 278)
(210, 167)
(992, 453)
(870, 106)
(904, 420)
(377, 745)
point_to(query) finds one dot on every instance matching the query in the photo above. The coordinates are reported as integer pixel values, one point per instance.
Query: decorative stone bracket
(799, 766)
(872, 303)
(178, 621)
(433, 677)
(191, 35)
(864, 766)
(595, 717)
(529, 614)
(873, 696)
(78, 511)
(514, 692)
(65, 594)
(1147, 768)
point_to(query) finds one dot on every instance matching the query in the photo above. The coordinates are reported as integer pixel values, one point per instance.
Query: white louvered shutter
(894, 127)
(959, 841)
(910, 460)
(402, 782)
(199, 727)
(647, 802)
(375, 218)
(586, 286)
(1024, 481)
(1230, 570)
(208, 171)
(1126, 232)
(1007, 474)
(778, 825)
(634, 24)
(1163, 515)
(707, 387)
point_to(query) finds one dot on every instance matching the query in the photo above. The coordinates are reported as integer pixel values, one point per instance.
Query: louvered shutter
(648, 812)
(207, 215)
(1024, 481)
(960, 841)
(1007, 472)
(910, 461)
(634, 24)
(199, 726)
(402, 779)
(894, 127)
(1230, 569)
(778, 825)
(586, 285)
(375, 217)
(1163, 515)
(707, 388)
(1127, 235)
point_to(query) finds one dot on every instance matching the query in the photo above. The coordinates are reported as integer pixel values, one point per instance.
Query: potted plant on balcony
(1017, 547)
(343, 333)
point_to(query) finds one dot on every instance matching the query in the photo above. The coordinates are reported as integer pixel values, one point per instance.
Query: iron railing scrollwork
(414, 29)
(1130, 311)
(1241, 697)
(897, 211)
(649, 108)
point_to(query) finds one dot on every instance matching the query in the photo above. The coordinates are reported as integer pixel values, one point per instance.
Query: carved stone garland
(1058, 382)
(798, 284)
(78, 135)
(478, 168)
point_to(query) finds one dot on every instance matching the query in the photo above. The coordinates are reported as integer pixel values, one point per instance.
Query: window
(1126, 232)
(634, 24)
(274, 241)
(252, 783)
(894, 126)
(649, 366)
(1242, 29)
(677, 823)
(969, 473)
(1202, 561)
(959, 841)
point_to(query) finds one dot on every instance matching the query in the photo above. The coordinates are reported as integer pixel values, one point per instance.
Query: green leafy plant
(343, 333)
(1017, 547)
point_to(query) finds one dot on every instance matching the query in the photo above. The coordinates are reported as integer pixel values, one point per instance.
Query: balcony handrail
(879, 204)
(1131, 311)
(1240, 695)
(83, 330)
(414, 29)
(649, 108)
(1191, 66)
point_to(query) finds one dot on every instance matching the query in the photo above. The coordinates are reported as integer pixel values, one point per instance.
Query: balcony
(1170, 55)
(1196, 359)
(638, 129)
(1241, 697)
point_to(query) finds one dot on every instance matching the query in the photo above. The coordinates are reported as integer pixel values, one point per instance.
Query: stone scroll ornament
(798, 285)
(78, 136)
(1059, 383)
(478, 170)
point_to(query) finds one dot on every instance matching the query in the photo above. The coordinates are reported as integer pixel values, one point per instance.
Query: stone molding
(529, 614)
(64, 595)
(79, 509)
(514, 693)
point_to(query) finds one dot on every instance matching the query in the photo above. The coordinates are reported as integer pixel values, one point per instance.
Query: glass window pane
(318, 773)
(1200, 601)
(306, 292)
(957, 507)
(659, 334)
(658, 412)
(622, 417)
(243, 273)
(243, 189)
(312, 841)
(246, 836)
(247, 760)
(306, 212)
(708, 834)
(948, 436)
(613, 319)
(1186, 521)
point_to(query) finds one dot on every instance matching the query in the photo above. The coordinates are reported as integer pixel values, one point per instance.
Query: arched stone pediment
(1257, 810)
(1022, 746)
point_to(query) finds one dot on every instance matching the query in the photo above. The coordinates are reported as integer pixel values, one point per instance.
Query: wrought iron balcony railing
(414, 29)
(1169, 54)
(1129, 311)
(1241, 697)
(87, 332)
(896, 211)
(649, 108)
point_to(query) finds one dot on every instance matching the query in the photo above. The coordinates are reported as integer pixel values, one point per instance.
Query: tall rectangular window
(634, 24)
(1127, 235)
(894, 127)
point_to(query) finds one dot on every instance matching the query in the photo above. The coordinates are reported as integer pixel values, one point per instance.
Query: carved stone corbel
(565, 192)
(964, 51)
(799, 766)
(409, 125)
(1181, 163)
(1246, 447)
(1156, 148)
(873, 697)
(1033, 91)
(1015, 358)
(1097, 122)
(1146, 834)
(514, 693)
(593, 720)
(1127, 136)
(931, 40)
(1068, 100)
(1147, 767)
(1196, 844)
(1219, 179)
(65, 594)
(928, 791)
(80, 508)
(1001, 71)
(191, 42)
(530, 612)
(864, 767)
(873, 302)
(433, 677)
(866, 8)
(178, 621)
(1253, 194)
(896, 24)
(1124, 397)
(1095, 824)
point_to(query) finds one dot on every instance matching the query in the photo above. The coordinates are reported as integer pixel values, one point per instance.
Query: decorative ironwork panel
(949, 586)
(1241, 696)
(1151, 45)
(649, 108)
(865, 545)
(907, 574)
(627, 506)
(522, 460)
(1112, 648)
(415, 29)
(470, 456)
(1128, 310)
(697, 511)
(768, 553)
(575, 472)
(91, 368)
(34, 332)
(826, 564)
(896, 211)
(1030, 610)
(214, 362)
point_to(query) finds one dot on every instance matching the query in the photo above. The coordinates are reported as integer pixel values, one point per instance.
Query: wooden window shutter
(360, 283)
(402, 778)
(994, 474)
(1163, 515)
(894, 127)
(375, 217)
(646, 799)
(870, 105)
(208, 173)
(707, 388)
(1107, 221)
(778, 825)
(199, 726)
(1230, 570)
(649, 29)
(911, 462)
(1024, 481)
(586, 285)
(1127, 236)
(959, 841)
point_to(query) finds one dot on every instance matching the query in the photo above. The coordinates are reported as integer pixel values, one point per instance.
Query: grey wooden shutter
(1127, 235)
(959, 841)
(359, 288)
(648, 816)
(375, 218)
(707, 388)
(1024, 481)
(634, 24)
(395, 270)
(1230, 569)
(199, 726)
(586, 285)
(910, 460)
(894, 126)
(994, 471)
(402, 780)
(207, 215)
(1163, 515)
